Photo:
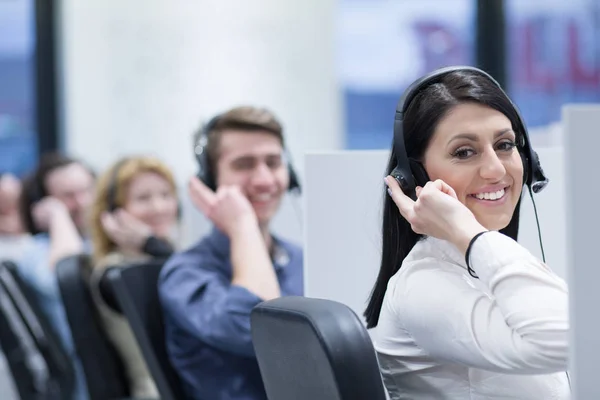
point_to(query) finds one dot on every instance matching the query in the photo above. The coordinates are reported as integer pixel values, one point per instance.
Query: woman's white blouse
(443, 334)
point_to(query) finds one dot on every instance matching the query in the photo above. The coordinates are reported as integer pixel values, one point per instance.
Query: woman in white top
(462, 310)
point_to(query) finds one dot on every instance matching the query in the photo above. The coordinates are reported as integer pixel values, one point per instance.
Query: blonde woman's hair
(115, 183)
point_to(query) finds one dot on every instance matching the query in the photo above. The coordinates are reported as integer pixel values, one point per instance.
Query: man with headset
(53, 204)
(208, 291)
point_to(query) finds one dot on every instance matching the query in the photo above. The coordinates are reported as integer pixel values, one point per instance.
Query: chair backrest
(27, 367)
(36, 333)
(136, 290)
(103, 369)
(314, 349)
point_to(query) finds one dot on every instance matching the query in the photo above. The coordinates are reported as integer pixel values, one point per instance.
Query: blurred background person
(134, 217)
(54, 204)
(13, 242)
(13, 238)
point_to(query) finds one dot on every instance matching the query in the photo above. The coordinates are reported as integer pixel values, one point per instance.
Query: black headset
(36, 190)
(111, 193)
(205, 172)
(410, 173)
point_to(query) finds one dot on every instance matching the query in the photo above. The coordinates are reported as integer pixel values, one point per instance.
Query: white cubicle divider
(343, 203)
(581, 144)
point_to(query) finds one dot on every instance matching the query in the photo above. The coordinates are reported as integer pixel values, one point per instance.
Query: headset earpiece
(406, 182)
(36, 191)
(111, 192)
(205, 173)
(294, 181)
(539, 180)
(294, 185)
(420, 175)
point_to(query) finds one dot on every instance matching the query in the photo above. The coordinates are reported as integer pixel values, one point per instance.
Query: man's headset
(113, 183)
(205, 172)
(36, 190)
(410, 172)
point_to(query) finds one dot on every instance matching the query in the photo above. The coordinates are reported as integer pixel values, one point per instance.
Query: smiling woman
(482, 166)
(462, 310)
(134, 218)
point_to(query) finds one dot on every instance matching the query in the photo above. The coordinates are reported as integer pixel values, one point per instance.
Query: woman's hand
(437, 212)
(124, 230)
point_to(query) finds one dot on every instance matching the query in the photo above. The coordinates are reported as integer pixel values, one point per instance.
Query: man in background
(54, 206)
(208, 291)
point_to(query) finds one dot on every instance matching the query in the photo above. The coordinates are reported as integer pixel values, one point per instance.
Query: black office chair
(103, 369)
(26, 364)
(135, 288)
(53, 375)
(314, 349)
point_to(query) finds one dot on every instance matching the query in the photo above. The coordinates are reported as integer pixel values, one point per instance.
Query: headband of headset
(205, 171)
(411, 173)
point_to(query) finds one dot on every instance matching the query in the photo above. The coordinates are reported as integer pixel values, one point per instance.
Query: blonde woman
(134, 218)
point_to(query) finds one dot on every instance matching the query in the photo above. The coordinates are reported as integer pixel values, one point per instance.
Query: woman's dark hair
(421, 118)
(34, 186)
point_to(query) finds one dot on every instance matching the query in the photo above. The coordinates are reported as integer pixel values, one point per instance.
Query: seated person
(208, 291)
(462, 310)
(13, 241)
(13, 238)
(53, 206)
(134, 217)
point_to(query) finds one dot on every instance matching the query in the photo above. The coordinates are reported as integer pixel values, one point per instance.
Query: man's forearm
(252, 266)
(64, 239)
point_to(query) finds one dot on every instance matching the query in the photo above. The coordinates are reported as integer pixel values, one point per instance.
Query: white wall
(139, 76)
(343, 205)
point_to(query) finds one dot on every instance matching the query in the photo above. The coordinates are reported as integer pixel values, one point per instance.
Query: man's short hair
(243, 118)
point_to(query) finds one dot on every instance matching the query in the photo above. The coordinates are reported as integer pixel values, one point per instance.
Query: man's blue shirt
(207, 319)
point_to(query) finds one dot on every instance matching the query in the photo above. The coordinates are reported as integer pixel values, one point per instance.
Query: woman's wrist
(464, 235)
